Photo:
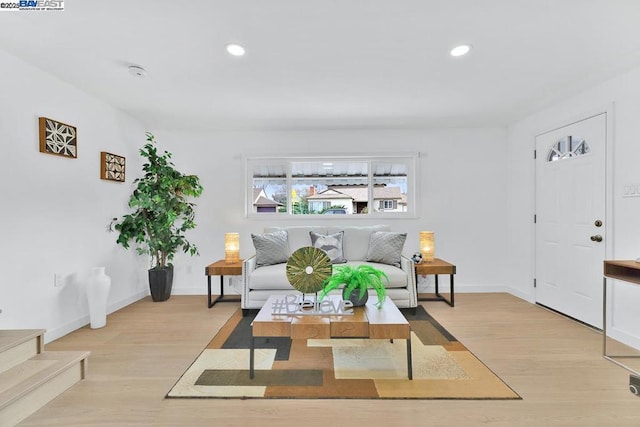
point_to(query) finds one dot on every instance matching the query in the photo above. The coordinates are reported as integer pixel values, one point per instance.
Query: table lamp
(232, 247)
(427, 246)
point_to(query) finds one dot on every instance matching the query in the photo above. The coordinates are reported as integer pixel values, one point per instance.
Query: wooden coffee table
(366, 322)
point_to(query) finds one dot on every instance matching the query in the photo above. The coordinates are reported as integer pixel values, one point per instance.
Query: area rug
(443, 368)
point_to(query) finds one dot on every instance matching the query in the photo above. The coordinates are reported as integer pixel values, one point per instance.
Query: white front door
(570, 222)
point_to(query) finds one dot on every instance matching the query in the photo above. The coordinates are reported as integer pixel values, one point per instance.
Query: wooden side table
(221, 268)
(435, 267)
(627, 271)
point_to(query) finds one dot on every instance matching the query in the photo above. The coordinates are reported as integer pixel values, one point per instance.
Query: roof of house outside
(263, 201)
(330, 193)
(257, 192)
(360, 193)
(260, 198)
(387, 193)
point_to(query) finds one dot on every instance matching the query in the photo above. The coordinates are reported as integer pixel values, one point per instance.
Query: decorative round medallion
(308, 268)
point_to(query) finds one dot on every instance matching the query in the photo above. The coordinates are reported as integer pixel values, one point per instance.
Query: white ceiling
(329, 63)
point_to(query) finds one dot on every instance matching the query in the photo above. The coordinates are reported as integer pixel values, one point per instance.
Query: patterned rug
(443, 368)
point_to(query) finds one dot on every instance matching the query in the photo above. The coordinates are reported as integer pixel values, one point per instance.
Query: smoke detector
(137, 71)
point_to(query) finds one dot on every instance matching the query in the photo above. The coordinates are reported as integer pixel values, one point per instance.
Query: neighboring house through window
(387, 204)
(367, 185)
(262, 203)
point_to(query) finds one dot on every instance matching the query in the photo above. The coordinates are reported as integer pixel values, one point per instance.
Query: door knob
(596, 238)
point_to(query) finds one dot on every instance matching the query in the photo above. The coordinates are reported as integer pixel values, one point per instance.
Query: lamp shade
(232, 247)
(427, 245)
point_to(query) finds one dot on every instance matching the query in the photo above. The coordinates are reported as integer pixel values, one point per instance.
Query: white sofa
(258, 283)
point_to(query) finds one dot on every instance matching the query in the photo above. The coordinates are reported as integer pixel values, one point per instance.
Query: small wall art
(58, 138)
(112, 167)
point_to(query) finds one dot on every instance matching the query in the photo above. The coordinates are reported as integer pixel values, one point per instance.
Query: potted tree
(161, 214)
(356, 281)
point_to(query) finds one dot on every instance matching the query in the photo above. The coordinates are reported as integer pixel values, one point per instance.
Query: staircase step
(19, 345)
(27, 387)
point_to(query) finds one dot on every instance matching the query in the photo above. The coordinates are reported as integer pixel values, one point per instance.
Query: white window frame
(411, 160)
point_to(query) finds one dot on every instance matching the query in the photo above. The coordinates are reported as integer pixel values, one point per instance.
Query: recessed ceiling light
(235, 49)
(461, 50)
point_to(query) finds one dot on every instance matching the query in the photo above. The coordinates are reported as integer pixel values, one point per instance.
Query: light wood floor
(555, 364)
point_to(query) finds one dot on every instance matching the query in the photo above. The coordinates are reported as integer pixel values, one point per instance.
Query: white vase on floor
(98, 287)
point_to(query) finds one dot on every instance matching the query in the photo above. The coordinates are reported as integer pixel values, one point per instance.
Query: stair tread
(29, 375)
(11, 337)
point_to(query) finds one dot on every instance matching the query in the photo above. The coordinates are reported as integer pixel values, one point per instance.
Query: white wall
(623, 92)
(462, 193)
(54, 211)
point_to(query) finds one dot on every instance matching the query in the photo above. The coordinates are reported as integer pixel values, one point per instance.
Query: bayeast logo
(41, 5)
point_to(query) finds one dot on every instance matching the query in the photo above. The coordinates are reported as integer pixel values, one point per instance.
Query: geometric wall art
(58, 138)
(112, 167)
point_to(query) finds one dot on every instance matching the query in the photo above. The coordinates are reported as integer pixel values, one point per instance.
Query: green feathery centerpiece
(357, 278)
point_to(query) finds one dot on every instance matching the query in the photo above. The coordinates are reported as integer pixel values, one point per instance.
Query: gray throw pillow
(385, 247)
(331, 244)
(271, 248)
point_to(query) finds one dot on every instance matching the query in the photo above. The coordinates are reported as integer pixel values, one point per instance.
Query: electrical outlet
(424, 280)
(58, 280)
(631, 190)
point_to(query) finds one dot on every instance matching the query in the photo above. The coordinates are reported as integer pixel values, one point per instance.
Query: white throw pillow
(386, 247)
(271, 248)
(331, 244)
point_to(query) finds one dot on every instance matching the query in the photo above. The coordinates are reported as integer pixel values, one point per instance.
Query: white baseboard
(63, 330)
(529, 297)
(215, 290)
(470, 289)
(198, 290)
(624, 337)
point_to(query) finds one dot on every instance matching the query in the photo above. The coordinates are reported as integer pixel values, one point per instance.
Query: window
(351, 186)
(568, 147)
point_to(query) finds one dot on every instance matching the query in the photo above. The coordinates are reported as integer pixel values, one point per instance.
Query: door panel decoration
(568, 147)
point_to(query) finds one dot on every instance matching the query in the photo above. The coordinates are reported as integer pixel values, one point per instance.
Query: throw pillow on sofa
(385, 247)
(331, 244)
(271, 248)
